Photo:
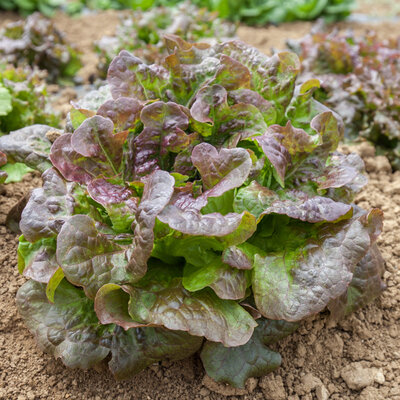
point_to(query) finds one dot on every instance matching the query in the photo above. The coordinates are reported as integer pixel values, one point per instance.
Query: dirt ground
(357, 359)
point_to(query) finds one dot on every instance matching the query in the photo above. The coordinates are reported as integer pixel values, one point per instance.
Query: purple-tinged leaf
(111, 306)
(232, 74)
(37, 260)
(71, 164)
(28, 145)
(221, 171)
(276, 153)
(231, 228)
(124, 112)
(237, 258)
(95, 140)
(158, 190)
(230, 284)
(136, 349)
(343, 171)
(299, 205)
(297, 283)
(247, 96)
(254, 198)
(293, 139)
(365, 286)
(235, 365)
(128, 76)
(163, 133)
(67, 329)
(330, 128)
(191, 66)
(88, 258)
(200, 314)
(221, 123)
(120, 202)
(272, 77)
(47, 208)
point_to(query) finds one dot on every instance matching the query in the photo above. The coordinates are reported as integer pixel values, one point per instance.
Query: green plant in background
(142, 32)
(252, 12)
(202, 207)
(23, 102)
(261, 12)
(38, 43)
(360, 80)
(25, 7)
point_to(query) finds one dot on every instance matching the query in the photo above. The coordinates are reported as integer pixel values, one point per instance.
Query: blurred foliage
(252, 12)
(23, 99)
(142, 32)
(38, 43)
(360, 80)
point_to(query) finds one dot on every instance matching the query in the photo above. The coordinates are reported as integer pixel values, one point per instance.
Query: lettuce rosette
(202, 207)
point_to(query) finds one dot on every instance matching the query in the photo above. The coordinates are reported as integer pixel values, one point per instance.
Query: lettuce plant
(360, 80)
(36, 42)
(23, 99)
(23, 102)
(142, 32)
(24, 7)
(203, 207)
(261, 12)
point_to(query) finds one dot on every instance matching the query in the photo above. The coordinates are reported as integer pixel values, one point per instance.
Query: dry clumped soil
(359, 358)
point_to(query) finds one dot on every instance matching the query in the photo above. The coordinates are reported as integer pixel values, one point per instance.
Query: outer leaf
(343, 171)
(29, 146)
(365, 286)
(68, 329)
(88, 258)
(47, 208)
(37, 260)
(234, 365)
(301, 282)
(200, 314)
(135, 349)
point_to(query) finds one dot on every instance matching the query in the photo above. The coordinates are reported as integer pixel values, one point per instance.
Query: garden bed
(358, 358)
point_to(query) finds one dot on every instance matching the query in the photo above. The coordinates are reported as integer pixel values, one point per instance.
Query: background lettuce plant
(142, 32)
(36, 42)
(202, 207)
(23, 102)
(252, 12)
(360, 80)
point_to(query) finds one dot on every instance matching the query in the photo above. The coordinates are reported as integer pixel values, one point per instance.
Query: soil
(359, 358)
